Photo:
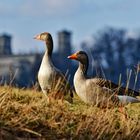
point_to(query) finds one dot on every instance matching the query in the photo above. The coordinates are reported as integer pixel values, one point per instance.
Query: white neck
(79, 76)
(46, 61)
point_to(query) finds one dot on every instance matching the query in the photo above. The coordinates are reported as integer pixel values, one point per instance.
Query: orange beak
(37, 37)
(73, 56)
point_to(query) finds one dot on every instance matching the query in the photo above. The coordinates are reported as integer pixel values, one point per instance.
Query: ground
(25, 113)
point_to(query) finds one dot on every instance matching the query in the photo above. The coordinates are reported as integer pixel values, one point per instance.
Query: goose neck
(83, 68)
(49, 48)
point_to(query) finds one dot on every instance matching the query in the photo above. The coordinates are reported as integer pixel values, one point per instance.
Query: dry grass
(26, 114)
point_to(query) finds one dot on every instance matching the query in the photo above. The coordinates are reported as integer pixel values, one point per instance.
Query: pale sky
(23, 19)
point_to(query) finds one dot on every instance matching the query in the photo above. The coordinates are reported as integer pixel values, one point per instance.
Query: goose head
(47, 38)
(82, 57)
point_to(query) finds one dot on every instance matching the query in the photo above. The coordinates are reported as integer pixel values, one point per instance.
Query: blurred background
(109, 31)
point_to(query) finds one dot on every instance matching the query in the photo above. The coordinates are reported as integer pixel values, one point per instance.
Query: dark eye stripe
(81, 52)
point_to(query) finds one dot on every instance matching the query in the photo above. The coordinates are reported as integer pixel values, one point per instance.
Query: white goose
(50, 78)
(98, 91)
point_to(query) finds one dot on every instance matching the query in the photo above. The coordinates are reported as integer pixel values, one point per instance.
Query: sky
(23, 19)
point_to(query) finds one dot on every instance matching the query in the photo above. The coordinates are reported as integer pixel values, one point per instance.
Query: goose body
(98, 91)
(48, 74)
(90, 92)
(46, 71)
(49, 77)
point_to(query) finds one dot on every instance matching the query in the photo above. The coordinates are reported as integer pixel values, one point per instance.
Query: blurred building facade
(5, 44)
(64, 43)
(21, 70)
(64, 50)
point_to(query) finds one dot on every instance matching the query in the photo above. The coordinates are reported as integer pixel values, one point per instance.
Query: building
(64, 50)
(21, 70)
(64, 43)
(5, 44)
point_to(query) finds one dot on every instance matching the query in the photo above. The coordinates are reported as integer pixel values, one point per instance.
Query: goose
(98, 91)
(50, 78)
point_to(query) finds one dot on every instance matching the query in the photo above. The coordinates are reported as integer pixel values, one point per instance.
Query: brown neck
(84, 67)
(49, 45)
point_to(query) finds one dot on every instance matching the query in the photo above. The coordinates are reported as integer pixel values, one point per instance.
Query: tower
(64, 43)
(64, 49)
(5, 44)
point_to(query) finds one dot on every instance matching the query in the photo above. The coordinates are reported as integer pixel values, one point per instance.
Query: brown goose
(50, 78)
(98, 91)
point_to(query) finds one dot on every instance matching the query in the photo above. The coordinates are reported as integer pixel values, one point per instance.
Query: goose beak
(73, 56)
(37, 37)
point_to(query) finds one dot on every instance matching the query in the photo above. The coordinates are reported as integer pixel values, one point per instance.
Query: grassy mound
(25, 113)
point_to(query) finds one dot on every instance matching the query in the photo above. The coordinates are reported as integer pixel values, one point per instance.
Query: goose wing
(119, 89)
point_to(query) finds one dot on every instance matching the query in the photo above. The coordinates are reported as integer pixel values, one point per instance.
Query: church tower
(64, 49)
(5, 44)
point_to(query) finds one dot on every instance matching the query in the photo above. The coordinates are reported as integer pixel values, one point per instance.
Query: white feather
(127, 99)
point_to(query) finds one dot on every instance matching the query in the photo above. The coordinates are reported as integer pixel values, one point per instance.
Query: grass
(25, 113)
